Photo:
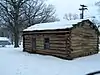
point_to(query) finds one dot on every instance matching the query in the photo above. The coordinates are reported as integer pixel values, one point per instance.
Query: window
(46, 43)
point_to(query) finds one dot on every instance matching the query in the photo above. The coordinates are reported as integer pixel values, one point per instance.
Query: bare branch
(71, 16)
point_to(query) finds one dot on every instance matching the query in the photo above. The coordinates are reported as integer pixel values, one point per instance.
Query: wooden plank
(51, 51)
(57, 45)
(57, 42)
(28, 40)
(54, 54)
(83, 43)
(52, 39)
(39, 47)
(75, 45)
(58, 48)
(46, 32)
(82, 33)
(28, 46)
(75, 51)
(57, 38)
(28, 49)
(83, 40)
(77, 48)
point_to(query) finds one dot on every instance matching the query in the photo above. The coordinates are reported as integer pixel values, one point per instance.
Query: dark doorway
(46, 43)
(33, 44)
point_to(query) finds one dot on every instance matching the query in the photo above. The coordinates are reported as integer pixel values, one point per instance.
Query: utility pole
(83, 7)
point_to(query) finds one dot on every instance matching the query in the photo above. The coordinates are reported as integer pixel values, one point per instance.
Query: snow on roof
(4, 39)
(54, 25)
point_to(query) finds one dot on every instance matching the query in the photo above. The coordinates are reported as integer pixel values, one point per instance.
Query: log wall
(83, 41)
(58, 43)
(27, 43)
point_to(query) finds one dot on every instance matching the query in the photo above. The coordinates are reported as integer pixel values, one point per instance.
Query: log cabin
(64, 39)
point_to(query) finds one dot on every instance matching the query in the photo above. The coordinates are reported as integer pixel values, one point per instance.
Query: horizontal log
(27, 45)
(56, 38)
(57, 42)
(83, 29)
(39, 47)
(27, 41)
(82, 41)
(76, 54)
(84, 38)
(40, 42)
(83, 34)
(57, 48)
(58, 35)
(46, 32)
(39, 39)
(54, 54)
(81, 51)
(76, 48)
(52, 48)
(83, 46)
(28, 49)
(57, 45)
(53, 39)
(28, 37)
(76, 51)
(84, 49)
(51, 51)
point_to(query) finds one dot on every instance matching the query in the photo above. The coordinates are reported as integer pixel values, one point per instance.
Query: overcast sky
(72, 6)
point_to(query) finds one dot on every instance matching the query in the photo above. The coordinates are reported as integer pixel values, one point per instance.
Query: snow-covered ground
(15, 62)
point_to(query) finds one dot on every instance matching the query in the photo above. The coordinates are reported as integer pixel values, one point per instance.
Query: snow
(15, 62)
(54, 25)
(4, 39)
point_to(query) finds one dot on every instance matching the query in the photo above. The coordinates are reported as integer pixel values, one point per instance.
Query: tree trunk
(16, 40)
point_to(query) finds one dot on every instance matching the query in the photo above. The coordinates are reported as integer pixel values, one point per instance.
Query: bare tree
(97, 21)
(18, 14)
(71, 16)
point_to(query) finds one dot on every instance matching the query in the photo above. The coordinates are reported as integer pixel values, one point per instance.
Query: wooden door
(33, 44)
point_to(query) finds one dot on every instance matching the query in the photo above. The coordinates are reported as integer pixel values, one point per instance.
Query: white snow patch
(54, 25)
(15, 62)
(4, 39)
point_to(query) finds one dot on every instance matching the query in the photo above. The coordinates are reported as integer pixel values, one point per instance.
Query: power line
(83, 8)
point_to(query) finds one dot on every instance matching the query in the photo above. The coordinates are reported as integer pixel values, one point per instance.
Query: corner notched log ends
(68, 40)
